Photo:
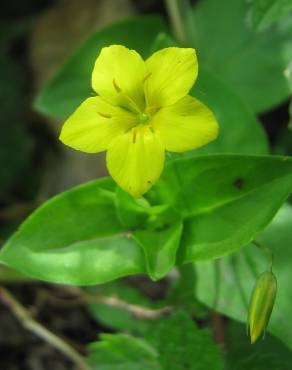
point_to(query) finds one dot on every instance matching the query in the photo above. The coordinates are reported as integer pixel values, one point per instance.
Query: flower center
(144, 117)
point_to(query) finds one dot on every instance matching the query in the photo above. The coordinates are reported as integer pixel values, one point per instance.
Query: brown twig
(137, 311)
(218, 326)
(24, 316)
(10, 276)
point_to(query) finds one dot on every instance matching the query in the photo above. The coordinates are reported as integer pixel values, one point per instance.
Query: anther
(117, 88)
(134, 133)
(105, 115)
(146, 77)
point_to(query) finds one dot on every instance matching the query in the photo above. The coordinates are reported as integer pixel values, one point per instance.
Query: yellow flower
(141, 110)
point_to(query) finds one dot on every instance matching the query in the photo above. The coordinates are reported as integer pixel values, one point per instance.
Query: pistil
(144, 117)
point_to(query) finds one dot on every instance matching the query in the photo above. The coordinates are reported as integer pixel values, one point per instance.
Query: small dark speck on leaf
(149, 182)
(238, 183)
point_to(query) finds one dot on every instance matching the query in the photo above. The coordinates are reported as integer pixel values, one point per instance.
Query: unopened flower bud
(261, 304)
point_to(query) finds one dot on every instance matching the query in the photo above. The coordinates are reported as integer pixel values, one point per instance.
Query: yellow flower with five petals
(141, 110)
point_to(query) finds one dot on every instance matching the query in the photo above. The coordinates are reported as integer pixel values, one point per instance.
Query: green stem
(267, 251)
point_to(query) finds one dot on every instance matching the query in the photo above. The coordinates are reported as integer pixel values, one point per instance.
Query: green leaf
(225, 199)
(241, 355)
(132, 212)
(263, 13)
(75, 238)
(122, 352)
(72, 84)
(175, 343)
(252, 63)
(183, 346)
(160, 248)
(226, 284)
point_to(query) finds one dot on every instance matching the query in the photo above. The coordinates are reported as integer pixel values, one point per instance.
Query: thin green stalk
(267, 251)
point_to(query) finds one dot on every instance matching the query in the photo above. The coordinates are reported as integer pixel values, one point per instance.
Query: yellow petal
(173, 73)
(118, 76)
(185, 125)
(135, 160)
(94, 124)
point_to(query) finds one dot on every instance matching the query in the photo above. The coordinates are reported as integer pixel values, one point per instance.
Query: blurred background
(36, 38)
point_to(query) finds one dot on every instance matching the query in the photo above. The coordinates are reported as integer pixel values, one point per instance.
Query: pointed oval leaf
(75, 238)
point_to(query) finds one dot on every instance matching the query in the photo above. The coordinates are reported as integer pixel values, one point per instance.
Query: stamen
(152, 110)
(117, 88)
(127, 99)
(105, 115)
(146, 77)
(134, 133)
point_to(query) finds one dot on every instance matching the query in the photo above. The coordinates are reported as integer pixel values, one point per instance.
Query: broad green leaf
(226, 284)
(251, 63)
(72, 84)
(160, 248)
(133, 212)
(225, 199)
(75, 238)
(269, 352)
(182, 345)
(174, 343)
(122, 352)
(263, 13)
